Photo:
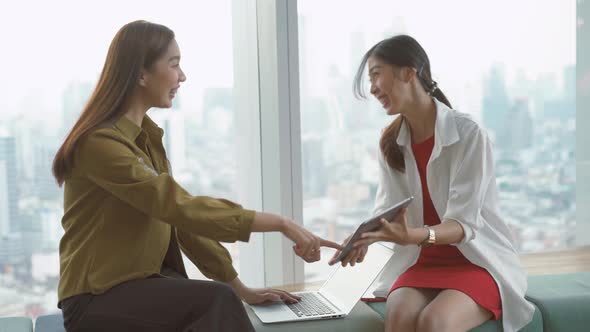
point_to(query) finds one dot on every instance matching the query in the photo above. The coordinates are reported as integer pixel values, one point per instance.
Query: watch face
(431, 236)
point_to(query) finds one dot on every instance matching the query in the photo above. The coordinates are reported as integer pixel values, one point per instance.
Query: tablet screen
(373, 224)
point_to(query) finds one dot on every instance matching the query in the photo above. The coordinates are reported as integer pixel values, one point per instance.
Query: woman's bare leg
(452, 310)
(404, 306)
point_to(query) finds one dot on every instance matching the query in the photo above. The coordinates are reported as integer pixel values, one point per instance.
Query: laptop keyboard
(309, 305)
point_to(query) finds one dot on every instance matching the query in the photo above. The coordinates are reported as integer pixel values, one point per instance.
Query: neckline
(424, 142)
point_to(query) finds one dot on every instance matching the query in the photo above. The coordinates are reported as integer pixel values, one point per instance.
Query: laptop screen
(346, 285)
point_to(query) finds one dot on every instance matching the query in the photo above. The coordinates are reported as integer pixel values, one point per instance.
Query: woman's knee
(224, 292)
(431, 320)
(403, 307)
(399, 313)
(211, 295)
(400, 318)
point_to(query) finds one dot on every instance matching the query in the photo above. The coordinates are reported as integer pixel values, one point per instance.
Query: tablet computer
(372, 225)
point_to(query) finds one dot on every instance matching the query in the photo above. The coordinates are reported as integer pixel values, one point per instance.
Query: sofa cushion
(16, 324)
(564, 300)
(50, 323)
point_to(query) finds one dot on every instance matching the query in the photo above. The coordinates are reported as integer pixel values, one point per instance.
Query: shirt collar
(445, 128)
(151, 127)
(132, 131)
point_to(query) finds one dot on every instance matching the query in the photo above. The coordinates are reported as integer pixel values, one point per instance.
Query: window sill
(556, 262)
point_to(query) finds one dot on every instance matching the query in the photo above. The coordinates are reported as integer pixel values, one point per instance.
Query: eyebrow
(373, 68)
(176, 57)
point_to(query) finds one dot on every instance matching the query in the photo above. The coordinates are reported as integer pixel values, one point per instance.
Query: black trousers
(171, 303)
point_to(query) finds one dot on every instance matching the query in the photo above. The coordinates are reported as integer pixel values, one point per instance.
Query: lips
(383, 100)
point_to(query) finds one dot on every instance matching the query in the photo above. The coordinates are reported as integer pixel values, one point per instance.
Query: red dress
(443, 266)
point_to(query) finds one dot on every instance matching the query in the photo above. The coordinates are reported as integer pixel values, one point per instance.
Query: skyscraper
(9, 177)
(44, 184)
(4, 212)
(12, 252)
(496, 102)
(517, 131)
(314, 168)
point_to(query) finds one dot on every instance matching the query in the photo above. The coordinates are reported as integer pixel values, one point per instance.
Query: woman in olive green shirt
(126, 219)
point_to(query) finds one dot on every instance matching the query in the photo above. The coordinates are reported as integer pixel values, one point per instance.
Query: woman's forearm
(268, 222)
(447, 232)
(237, 285)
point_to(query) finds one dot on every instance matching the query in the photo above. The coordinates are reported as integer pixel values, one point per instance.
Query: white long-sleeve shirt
(461, 181)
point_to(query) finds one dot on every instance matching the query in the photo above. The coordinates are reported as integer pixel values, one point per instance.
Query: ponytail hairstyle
(400, 51)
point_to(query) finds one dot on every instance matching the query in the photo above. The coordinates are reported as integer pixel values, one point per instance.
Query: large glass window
(511, 66)
(52, 55)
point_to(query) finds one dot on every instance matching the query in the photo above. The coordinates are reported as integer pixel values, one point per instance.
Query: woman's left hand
(395, 231)
(262, 295)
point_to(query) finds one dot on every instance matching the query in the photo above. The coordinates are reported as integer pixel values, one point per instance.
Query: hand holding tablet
(371, 225)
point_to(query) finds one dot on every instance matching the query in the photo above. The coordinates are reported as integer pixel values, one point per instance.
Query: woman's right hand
(307, 245)
(356, 255)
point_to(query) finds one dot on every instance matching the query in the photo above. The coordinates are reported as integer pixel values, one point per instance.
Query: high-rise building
(13, 256)
(4, 211)
(496, 102)
(564, 106)
(8, 175)
(44, 184)
(314, 168)
(517, 132)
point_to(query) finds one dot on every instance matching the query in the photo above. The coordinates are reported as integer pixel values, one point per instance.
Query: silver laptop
(336, 297)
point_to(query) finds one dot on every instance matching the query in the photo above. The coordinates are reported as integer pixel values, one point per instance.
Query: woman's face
(162, 81)
(389, 84)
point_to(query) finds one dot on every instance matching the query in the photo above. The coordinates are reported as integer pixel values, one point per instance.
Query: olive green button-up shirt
(125, 216)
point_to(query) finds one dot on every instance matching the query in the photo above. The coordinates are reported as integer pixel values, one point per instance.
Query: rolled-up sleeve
(469, 184)
(107, 160)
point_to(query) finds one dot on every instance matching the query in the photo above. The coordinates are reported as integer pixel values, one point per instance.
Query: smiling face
(391, 85)
(161, 82)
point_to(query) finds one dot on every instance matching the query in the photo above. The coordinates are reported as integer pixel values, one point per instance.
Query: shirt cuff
(468, 233)
(228, 275)
(245, 227)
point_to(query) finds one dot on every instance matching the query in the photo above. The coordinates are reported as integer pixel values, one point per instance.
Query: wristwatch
(431, 239)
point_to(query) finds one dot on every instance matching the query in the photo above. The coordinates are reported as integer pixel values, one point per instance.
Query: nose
(182, 76)
(373, 89)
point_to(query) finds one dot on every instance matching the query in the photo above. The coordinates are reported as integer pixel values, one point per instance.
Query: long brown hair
(136, 46)
(400, 51)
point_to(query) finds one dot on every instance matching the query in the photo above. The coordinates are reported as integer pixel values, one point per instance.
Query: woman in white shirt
(454, 266)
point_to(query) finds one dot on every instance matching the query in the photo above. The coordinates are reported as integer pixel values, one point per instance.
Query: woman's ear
(408, 74)
(142, 78)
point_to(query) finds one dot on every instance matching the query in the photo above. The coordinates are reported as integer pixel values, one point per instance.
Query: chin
(391, 111)
(166, 104)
